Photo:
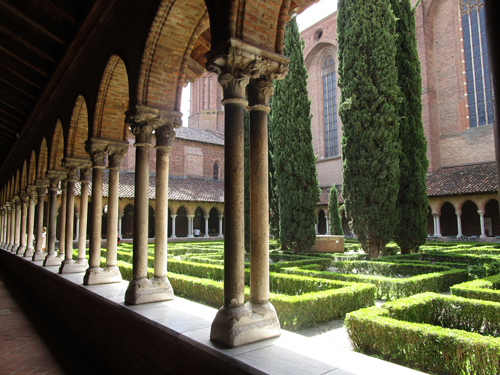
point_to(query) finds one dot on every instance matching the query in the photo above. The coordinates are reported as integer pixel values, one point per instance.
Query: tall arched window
(329, 106)
(476, 63)
(216, 171)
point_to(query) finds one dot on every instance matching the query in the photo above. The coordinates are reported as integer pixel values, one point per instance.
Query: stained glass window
(329, 106)
(476, 63)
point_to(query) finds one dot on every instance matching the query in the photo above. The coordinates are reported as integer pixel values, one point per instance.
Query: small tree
(335, 222)
(412, 201)
(368, 109)
(294, 159)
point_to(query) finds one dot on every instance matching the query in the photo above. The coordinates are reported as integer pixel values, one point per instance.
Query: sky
(307, 18)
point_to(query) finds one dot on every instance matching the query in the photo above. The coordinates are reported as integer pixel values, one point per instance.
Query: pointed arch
(57, 148)
(164, 65)
(78, 130)
(32, 169)
(112, 101)
(42, 160)
(9, 193)
(18, 183)
(24, 176)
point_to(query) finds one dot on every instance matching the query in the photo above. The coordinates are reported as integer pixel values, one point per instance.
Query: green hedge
(400, 332)
(388, 269)
(391, 288)
(486, 289)
(318, 301)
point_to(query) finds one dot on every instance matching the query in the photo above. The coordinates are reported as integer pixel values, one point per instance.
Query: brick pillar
(142, 121)
(237, 323)
(42, 186)
(51, 259)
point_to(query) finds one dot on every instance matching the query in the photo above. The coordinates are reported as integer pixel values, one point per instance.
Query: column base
(15, 248)
(483, 236)
(51, 260)
(8, 247)
(97, 275)
(142, 291)
(29, 253)
(236, 326)
(21, 250)
(39, 255)
(73, 266)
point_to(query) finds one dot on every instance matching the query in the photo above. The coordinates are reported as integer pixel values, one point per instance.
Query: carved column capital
(31, 190)
(116, 152)
(165, 134)
(481, 212)
(85, 173)
(23, 195)
(42, 185)
(17, 201)
(237, 63)
(73, 165)
(96, 148)
(54, 177)
(143, 120)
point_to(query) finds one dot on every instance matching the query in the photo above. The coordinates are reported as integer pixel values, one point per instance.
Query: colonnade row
(244, 71)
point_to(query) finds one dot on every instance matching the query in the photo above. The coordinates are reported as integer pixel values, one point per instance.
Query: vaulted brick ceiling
(34, 36)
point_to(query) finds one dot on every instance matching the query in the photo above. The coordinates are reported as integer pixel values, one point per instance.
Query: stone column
(51, 259)
(24, 216)
(220, 225)
(237, 323)
(142, 121)
(190, 225)
(120, 222)
(12, 224)
(81, 218)
(2, 217)
(31, 190)
(316, 226)
(459, 223)
(95, 147)
(17, 231)
(42, 186)
(68, 265)
(77, 223)
(9, 223)
(173, 226)
(481, 222)
(327, 226)
(62, 220)
(165, 134)
(206, 225)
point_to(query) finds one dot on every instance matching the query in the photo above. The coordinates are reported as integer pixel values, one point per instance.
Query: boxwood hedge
(431, 332)
(487, 289)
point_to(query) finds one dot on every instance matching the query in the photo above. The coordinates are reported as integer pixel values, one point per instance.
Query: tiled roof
(325, 192)
(466, 179)
(200, 135)
(179, 189)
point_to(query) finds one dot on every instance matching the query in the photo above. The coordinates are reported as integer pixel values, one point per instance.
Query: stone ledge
(173, 336)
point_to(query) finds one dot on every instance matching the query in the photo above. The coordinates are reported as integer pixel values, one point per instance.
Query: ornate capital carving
(85, 173)
(31, 190)
(240, 64)
(142, 121)
(54, 178)
(24, 196)
(116, 151)
(73, 165)
(164, 137)
(96, 147)
(17, 201)
(42, 185)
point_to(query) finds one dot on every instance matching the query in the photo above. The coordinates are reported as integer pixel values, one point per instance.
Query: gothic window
(477, 70)
(216, 171)
(329, 106)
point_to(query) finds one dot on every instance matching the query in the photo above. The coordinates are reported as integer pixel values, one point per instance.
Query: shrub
(486, 289)
(414, 332)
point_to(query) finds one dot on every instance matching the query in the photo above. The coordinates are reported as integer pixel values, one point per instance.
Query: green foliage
(368, 109)
(432, 333)
(335, 221)
(486, 289)
(293, 158)
(393, 288)
(412, 203)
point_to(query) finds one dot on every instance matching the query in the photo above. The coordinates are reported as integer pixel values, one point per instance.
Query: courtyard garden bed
(431, 332)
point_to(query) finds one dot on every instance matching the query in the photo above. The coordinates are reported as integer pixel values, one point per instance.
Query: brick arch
(78, 130)
(24, 176)
(167, 52)
(18, 183)
(318, 52)
(32, 169)
(112, 101)
(57, 148)
(12, 186)
(42, 160)
(9, 191)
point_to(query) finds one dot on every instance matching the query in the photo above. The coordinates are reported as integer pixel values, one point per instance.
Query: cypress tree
(294, 159)
(334, 221)
(274, 208)
(412, 202)
(368, 109)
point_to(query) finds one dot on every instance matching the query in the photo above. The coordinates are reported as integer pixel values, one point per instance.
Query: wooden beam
(38, 70)
(10, 115)
(11, 106)
(30, 21)
(57, 9)
(15, 87)
(21, 76)
(28, 45)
